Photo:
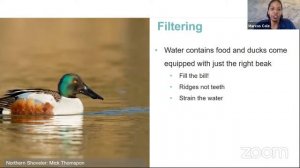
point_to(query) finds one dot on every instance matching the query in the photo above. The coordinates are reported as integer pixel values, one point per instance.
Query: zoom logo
(264, 152)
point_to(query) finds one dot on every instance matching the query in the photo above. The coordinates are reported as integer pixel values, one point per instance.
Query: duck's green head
(71, 84)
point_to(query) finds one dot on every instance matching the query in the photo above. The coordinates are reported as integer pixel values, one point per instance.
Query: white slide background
(260, 109)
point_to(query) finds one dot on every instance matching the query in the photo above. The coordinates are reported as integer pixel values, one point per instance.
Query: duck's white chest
(68, 106)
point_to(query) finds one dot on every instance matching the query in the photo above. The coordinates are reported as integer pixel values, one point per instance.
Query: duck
(48, 102)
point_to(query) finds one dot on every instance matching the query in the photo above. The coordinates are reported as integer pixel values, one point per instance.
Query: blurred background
(110, 55)
(257, 10)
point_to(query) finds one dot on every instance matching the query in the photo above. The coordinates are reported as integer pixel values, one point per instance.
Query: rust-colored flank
(30, 107)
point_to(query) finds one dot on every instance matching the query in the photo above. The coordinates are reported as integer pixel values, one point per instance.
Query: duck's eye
(75, 81)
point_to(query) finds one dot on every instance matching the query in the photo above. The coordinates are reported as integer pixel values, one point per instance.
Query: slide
(139, 83)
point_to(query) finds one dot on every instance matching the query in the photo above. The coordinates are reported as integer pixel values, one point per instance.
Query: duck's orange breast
(30, 107)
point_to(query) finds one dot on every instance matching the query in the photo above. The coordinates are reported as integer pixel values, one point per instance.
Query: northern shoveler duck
(48, 102)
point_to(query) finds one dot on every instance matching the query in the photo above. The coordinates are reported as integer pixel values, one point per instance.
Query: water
(111, 56)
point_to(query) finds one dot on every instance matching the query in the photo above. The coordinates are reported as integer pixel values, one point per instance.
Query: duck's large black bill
(88, 92)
